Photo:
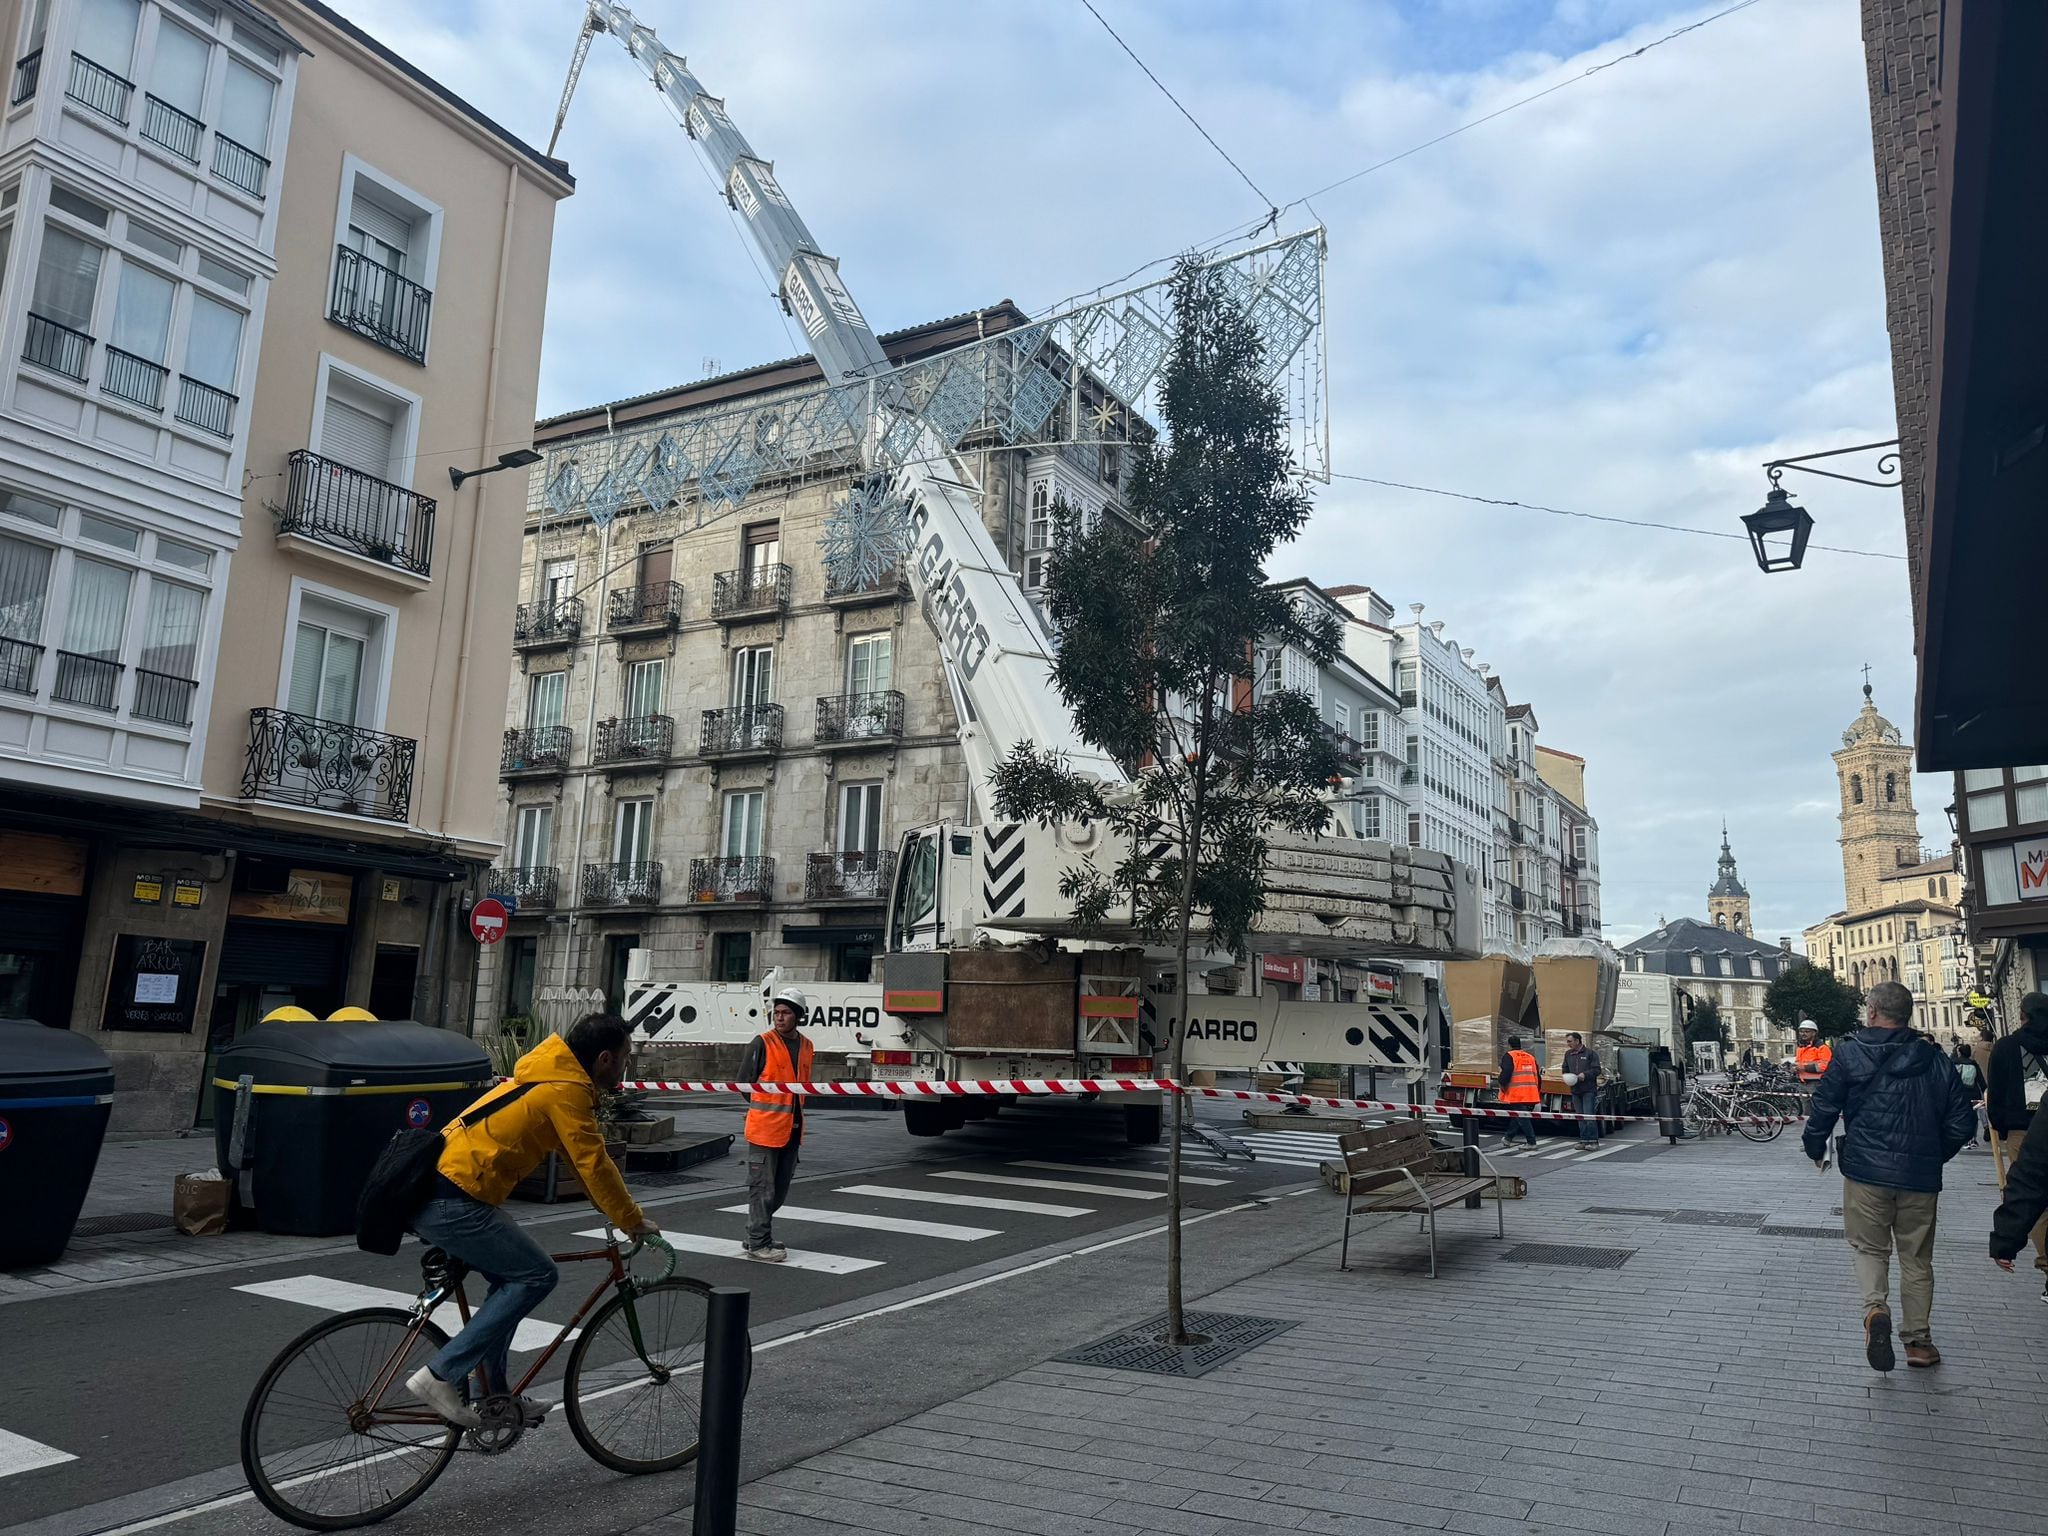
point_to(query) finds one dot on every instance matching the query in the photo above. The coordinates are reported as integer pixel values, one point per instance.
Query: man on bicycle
(550, 1106)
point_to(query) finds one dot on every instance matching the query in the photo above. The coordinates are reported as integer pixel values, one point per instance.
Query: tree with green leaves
(1705, 1023)
(1160, 621)
(1808, 991)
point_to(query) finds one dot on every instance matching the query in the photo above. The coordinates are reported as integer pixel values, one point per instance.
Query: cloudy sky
(1620, 299)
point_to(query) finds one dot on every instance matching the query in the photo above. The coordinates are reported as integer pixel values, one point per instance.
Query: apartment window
(533, 839)
(1984, 799)
(335, 662)
(753, 676)
(557, 581)
(633, 832)
(1038, 523)
(246, 101)
(1110, 463)
(61, 303)
(1698, 966)
(140, 339)
(860, 817)
(177, 82)
(213, 357)
(383, 282)
(1371, 821)
(89, 663)
(741, 835)
(732, 956)
(547, 699)
(362, 427)
(106, 33)
(763, 549)
(1340, 713)
(168, 675)
(870, 664)
(1414, 829)
(24, 587)
(646, 683)
(1727, 966)
(2030, 792)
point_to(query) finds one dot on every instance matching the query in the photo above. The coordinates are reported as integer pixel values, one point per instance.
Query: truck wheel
(924, 1119)
(1141, 1124)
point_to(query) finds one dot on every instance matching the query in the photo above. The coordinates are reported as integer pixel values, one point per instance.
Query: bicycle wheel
(634, 1411)
(1758, 1119)
(331, 1439)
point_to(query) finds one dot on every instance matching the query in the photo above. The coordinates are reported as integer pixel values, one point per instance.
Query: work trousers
(769, 1170)
(519, 1271)
(2009, 1143)
(1874, 1219)
(1588, 1104)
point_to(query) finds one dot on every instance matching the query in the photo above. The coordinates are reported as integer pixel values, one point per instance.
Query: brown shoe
(1923, 1354)
(1877, 1339)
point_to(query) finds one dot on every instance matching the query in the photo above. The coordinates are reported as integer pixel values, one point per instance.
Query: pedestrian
(1810, 1064)
(1519, 1087)
(1582, 1075)
(2025, 1204)
(1907, 1114)
(1973, 1080)
(775, 1120)
(550, 1106)
(2013, 1059)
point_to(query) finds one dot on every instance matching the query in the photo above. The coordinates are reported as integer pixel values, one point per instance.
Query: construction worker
(1810, 1062)
(1519, 1086)
(775, 1121)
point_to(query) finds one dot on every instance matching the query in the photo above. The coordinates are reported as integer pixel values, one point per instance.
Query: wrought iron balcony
(889, 585)
(1516, 833)
(164, 697)
(528, 886)
(205, 407)
(28, 71)
(754, 731)
(1518, 898)
(732, 879)
(328, 501)
(18, 661)
(656, 605)
(91, 681)
(96, 86)
(635, 739)
(1350, 754)
(1408, 773)
(56, 347)
(380, 304)
(757, 589)
(168, 128)
(858, 719)
(537, 750)
(239, 166)
(134, 379)
(622, 885)
(848, 876)
(302, 760)
(535, 625)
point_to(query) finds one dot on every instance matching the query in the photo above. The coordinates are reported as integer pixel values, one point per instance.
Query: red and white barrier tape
(1077, 1087)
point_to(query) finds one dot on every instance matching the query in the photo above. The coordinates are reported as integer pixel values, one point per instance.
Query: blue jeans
(521, 1275)
(1589, 1129)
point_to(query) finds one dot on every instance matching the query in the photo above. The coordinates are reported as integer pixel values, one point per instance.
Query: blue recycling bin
(56, 1093)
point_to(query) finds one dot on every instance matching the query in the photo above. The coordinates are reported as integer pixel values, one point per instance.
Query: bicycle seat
(440, 1270)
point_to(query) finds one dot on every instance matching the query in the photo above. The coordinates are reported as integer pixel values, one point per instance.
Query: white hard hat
(794, 997)
(1806, 1024)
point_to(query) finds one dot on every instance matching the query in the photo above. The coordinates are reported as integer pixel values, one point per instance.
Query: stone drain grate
(1138, 1349)
(122, 1221)
(1790, 1229)
(1717, 1218)
(1568, 1255)
(1629, 1210)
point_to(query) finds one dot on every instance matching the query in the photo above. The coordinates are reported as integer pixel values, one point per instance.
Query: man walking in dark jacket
(2005, 1101)
(1907, 1113)
(1582, 1074)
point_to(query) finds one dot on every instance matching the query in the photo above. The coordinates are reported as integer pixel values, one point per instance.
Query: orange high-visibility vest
(1810, 1062)
(772, 1116)
(1521, 1088)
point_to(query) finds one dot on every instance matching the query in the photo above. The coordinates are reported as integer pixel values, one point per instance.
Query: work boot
(768, 1253)
(1877, 1339)
(1923, 1354)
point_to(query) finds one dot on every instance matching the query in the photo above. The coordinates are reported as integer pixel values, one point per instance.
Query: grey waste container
(56, 1092)
(324, 1098)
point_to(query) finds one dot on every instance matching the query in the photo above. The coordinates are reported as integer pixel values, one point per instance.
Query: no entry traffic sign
(487, 920)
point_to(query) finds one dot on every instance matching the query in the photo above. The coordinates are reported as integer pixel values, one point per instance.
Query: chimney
(1785, 943)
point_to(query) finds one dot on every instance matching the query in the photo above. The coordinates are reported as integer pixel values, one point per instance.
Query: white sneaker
(441, 1396)
(768, 1253)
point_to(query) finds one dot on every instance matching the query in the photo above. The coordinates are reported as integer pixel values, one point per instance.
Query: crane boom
(997, 653)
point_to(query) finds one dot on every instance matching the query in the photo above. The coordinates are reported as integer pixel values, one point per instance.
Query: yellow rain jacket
(558, 1114)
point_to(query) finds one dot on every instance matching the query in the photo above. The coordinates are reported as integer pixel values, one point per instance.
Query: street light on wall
(518, 458)
(1779, 529)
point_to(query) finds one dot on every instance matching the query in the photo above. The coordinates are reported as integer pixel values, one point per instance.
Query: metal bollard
(727, 1364)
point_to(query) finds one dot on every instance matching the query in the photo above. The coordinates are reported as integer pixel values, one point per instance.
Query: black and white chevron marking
(652, 1010)
(1398, 1035)
(1003, 870)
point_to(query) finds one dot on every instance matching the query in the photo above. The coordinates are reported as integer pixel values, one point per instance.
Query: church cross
(1866, 677)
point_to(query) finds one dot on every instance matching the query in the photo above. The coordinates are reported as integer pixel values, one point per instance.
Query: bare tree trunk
(1176, 1319)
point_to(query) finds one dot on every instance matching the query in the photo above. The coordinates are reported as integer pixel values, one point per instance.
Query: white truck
(986, 973)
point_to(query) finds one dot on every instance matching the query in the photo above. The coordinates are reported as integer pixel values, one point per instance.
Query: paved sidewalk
(1713, 1383)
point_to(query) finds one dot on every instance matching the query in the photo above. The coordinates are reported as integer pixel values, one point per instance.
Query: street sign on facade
(487, 920)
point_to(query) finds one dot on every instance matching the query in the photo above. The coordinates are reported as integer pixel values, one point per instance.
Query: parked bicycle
(331, 1438)
(1724, 1107)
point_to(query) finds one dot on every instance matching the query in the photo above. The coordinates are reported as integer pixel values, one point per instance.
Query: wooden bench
(1399, 1167)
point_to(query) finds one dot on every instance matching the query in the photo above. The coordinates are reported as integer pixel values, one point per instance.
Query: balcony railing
(1518, 898)
(537, 749)
(1350, 752)
(328, 501)
(621, 885)
(1407, 698)
(1515, 832)
(94, 85)
(205, 407)
(848, 876)
(18, 662)
(302, 760)
(849, 593)
(849, 719)
(164, 125)
(547, 623)
(56, 347)
(737, 732)
(1408, 773)
(637, 738)
(239, 166)
(732, 879)
(527, 885)
(91, 681)
(382, 304)
(163, 696)
(757, 589)
(28, 71)
(654, 604)
(134, 379)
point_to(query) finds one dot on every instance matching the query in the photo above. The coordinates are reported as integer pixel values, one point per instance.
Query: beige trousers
(1873, 1219)
(2009, 1143)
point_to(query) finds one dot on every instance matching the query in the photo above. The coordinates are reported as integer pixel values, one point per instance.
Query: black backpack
(402, 1178)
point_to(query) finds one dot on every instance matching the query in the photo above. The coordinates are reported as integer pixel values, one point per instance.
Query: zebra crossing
(1311, 1149)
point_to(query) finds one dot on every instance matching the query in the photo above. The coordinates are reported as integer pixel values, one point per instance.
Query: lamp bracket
(1887, 464)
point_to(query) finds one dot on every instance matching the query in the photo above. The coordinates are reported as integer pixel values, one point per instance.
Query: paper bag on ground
(199, 1204)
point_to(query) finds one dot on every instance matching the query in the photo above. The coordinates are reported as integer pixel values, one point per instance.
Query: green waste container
(56, 1092)
(322, 1100)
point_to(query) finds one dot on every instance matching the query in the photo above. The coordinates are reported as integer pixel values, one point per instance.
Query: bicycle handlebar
(651, 1240)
